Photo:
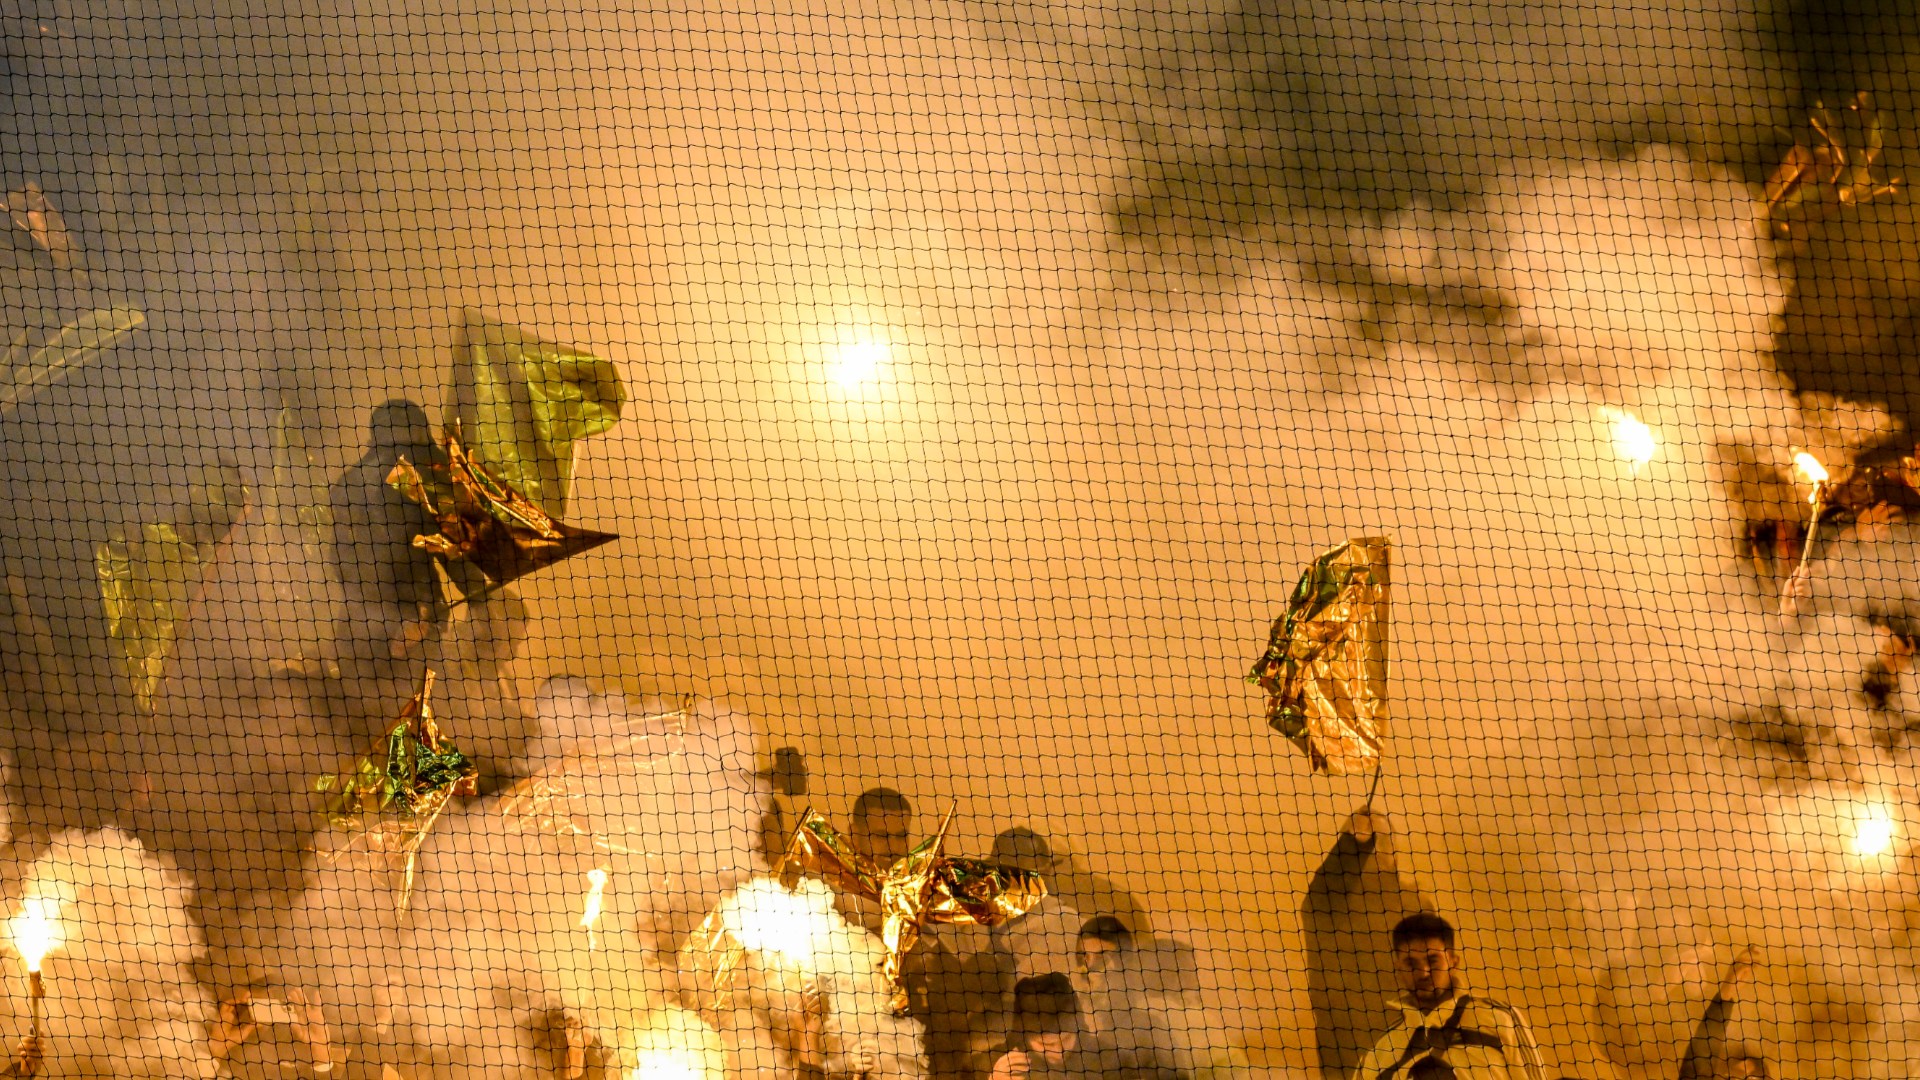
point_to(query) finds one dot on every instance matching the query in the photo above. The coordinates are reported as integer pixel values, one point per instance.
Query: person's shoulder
(1489, 1011)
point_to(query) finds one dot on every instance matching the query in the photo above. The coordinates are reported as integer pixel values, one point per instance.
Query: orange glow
(1633, 440)
(1811, 471)
(36, 930)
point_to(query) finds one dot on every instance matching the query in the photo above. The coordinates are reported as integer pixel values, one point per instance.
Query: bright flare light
(859, 363)
(795, 926)
(591, 917)
(669, 1065)
(1632, 440)
(675, 1044)
(1874, 831)
(1811, 471)
(36, 930)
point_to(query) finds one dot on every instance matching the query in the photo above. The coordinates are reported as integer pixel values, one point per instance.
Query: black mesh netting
(727, 540)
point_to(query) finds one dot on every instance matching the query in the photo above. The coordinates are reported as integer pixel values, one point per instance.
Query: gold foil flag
(714, 954)
(1325, 668)
(148, 573)
(390, 799)
(1842, 165)
(816, 847)
(33, 213)
(484, 521)
(927, 886)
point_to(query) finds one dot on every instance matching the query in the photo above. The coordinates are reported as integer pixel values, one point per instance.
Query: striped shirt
(1477, 1037)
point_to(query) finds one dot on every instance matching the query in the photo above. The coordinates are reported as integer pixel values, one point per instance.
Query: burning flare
(590, 919)
(669, 1064)
(36, 930)
(1799, 588)
(1633, 440)
(675, 1044)
(795, 926)
(1874, 831)
(1810, 470)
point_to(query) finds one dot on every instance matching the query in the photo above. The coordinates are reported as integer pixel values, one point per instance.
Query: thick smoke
(494, 952)
(123, 996)
(1150, 337)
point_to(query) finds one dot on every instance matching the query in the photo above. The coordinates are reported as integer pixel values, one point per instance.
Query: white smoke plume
(1146, 359)
(123, 994)
(496, 955)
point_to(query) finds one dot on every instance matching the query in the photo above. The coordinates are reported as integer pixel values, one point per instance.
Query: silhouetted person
(882, 826)
(1047, 1025)
(787, 782)
(1354, 901)
(1077, 887)
(1105, 942)
(374, 525)
(1047, 938)
(392, 592)
(1117, 1011)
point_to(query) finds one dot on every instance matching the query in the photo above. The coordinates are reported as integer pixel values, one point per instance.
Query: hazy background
(1170, 299)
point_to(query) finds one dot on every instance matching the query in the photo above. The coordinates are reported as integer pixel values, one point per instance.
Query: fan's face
(1425, 969)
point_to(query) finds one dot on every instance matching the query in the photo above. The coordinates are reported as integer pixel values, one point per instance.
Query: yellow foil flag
(524, 403)
(484, 520)
(1325, 668)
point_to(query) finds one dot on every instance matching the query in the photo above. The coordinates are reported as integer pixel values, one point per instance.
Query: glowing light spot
(669, 1064)
(1811, 471)
(859, 363)
(36, 930)
(675, 1044)
(1874, 831)
(795, 926)
(589, 921)
(1632, 440)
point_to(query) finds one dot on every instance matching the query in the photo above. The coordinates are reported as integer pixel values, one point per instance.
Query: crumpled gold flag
(715, 955)
(35, 214)
(148, 573)
(927, 886)
(1325, 668)
(816, 847)
(484, 521)
(390, 799)
(1841, 166)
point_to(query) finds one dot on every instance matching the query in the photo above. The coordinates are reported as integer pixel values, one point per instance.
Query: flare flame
(36, 930)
